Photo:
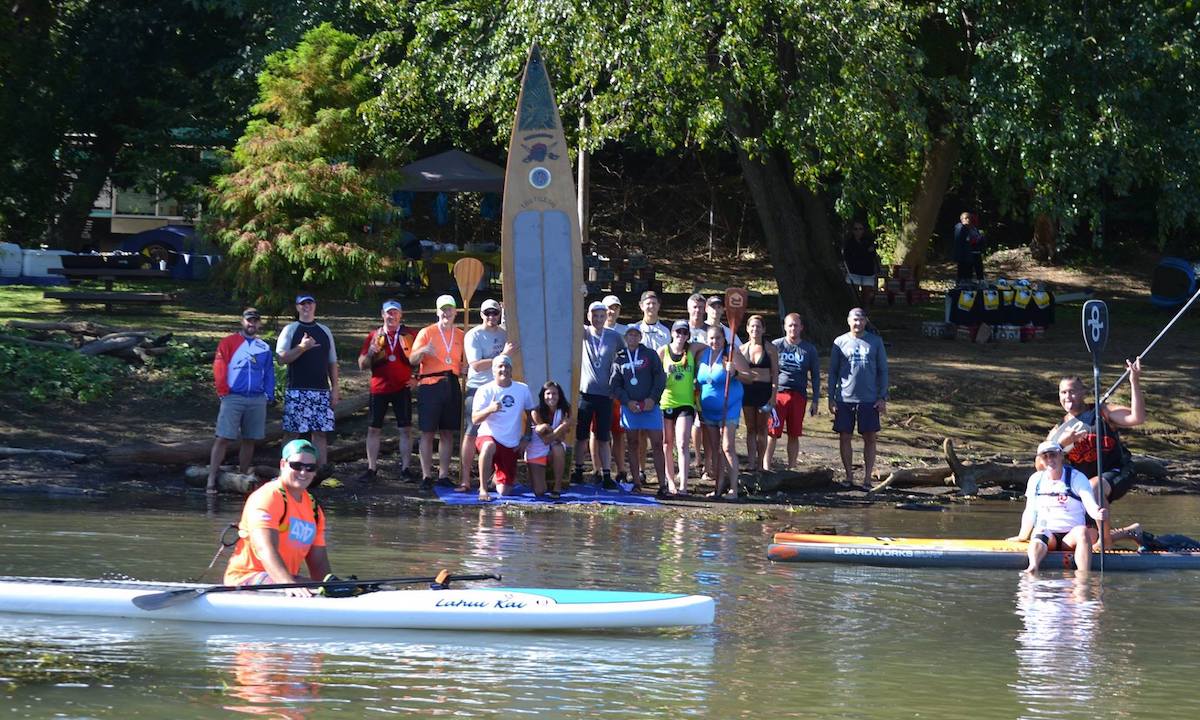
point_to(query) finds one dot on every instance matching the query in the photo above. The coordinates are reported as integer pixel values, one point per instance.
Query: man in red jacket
(244, 375)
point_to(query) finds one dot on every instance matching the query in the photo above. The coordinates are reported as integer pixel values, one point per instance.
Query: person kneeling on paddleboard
(282, 526)
(1058, 501)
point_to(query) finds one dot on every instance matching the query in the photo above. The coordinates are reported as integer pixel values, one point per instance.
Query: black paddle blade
(1095, 327)
(158, 601)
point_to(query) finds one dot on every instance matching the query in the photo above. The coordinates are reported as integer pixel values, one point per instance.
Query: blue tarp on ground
(524, 495)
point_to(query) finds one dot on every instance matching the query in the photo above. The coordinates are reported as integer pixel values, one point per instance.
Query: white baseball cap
(444, 301)
(597, 305)
(1049, 446)
(611, 300)
(489, 304)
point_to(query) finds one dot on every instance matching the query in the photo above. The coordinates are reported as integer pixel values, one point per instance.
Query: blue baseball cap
(305, 297)
(392, 305)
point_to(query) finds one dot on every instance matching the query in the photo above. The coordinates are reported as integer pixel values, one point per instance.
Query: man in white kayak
(282, 527)
(1058, 501)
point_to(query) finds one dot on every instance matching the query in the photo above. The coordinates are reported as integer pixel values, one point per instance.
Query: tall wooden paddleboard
(540, 245)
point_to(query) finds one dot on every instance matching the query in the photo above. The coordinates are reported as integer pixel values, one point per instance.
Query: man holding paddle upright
(282, 526)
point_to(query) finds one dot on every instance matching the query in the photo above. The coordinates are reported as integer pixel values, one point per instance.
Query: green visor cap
(296, 447)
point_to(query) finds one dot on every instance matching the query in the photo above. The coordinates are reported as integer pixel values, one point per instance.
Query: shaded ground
(994, 400)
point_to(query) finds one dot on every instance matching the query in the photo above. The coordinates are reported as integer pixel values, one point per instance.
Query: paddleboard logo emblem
(539, 151)
(539, 177)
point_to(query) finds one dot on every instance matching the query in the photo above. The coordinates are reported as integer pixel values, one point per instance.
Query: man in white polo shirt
(501, 409)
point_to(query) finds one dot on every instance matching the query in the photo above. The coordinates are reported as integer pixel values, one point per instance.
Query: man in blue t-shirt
(306, 348)
(858, 386)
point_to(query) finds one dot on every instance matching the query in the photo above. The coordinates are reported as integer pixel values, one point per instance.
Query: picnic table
(109, 297)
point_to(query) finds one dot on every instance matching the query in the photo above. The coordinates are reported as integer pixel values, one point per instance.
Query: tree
(303, 205)
(819, 104)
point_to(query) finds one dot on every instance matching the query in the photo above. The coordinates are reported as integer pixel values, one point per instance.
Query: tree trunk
(89, 179)
(1043, 245)
(912, 248)
(799, 234)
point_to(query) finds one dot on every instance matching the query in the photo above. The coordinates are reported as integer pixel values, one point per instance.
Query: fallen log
(915, 477)
(77, 327)
(112, 344)
(35, 343)
(228, 479)
(788, 481)
(968, 478)
(197, 451)
(74, 457)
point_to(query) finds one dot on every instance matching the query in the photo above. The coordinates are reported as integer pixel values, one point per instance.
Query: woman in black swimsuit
(759, 399)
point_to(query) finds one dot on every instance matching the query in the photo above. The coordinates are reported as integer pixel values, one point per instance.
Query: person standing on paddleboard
(385, 353)
(1058, 501)
(594, 420)
(483, 343)
(306, 347)
(858, 388)
(798, 365)
(282, 527)
(438, 351)
(244, 375)
(1077, 435)
(638, 382)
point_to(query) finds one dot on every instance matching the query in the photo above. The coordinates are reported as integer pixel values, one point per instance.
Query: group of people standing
(644, 386)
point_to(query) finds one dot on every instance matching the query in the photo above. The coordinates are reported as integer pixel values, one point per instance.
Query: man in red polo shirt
(385, 353)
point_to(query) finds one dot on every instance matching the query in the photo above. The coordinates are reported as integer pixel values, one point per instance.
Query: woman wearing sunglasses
(282, 526)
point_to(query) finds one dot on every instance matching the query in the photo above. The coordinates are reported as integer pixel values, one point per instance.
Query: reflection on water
(1058, 649)
(790, 640)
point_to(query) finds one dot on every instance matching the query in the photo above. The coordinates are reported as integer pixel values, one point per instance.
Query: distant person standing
(655, 335)
(306, 347)
(969, 244)
(638, 382)
(612, 321)
(759, 396)
(862, 261)
(483, 342)
(244, 375)
(798, 367)
(385, 353)
(858, 383)
(678, 401)
(438, 353)
(696, 312)
(594, 420)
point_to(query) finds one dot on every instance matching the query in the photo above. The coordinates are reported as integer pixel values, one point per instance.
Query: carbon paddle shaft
(158, 601)
(1095, 336)
(1150, 347)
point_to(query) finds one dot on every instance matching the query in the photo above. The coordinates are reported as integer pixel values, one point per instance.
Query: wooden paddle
(158, 601)
(735, 309)
(467, 273)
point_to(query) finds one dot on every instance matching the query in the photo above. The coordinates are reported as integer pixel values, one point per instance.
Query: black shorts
(1120, 481)
(678, 412)
(439, 405)
(1047, 537)
(601, 408)
(755, 395)
(400, 401)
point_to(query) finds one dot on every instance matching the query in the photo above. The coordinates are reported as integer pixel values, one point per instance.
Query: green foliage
(44, 375)
(182, 371)
(303, 204)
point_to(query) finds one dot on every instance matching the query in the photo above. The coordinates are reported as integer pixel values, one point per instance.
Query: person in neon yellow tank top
(679, 400)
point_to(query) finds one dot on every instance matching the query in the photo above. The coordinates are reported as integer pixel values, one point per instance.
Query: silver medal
(391, 358)
(633, 381)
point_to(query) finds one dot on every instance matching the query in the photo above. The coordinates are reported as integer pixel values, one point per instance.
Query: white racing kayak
(448, 609)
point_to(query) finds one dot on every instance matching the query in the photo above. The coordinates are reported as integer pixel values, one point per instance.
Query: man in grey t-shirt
(858, 386)
(482, 343)
(600, 345)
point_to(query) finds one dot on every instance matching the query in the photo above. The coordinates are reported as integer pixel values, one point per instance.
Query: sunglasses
(302, 466)
(490, 313)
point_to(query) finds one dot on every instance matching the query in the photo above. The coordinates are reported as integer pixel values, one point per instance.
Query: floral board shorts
(307, 411)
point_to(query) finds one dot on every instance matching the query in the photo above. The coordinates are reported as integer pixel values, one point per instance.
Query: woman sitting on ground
(551, 420)
(1058, 501)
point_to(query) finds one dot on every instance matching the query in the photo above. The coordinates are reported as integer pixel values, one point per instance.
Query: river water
(790, 640)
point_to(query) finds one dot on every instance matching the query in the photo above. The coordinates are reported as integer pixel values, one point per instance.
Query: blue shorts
(645, 420)
(847, 415)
